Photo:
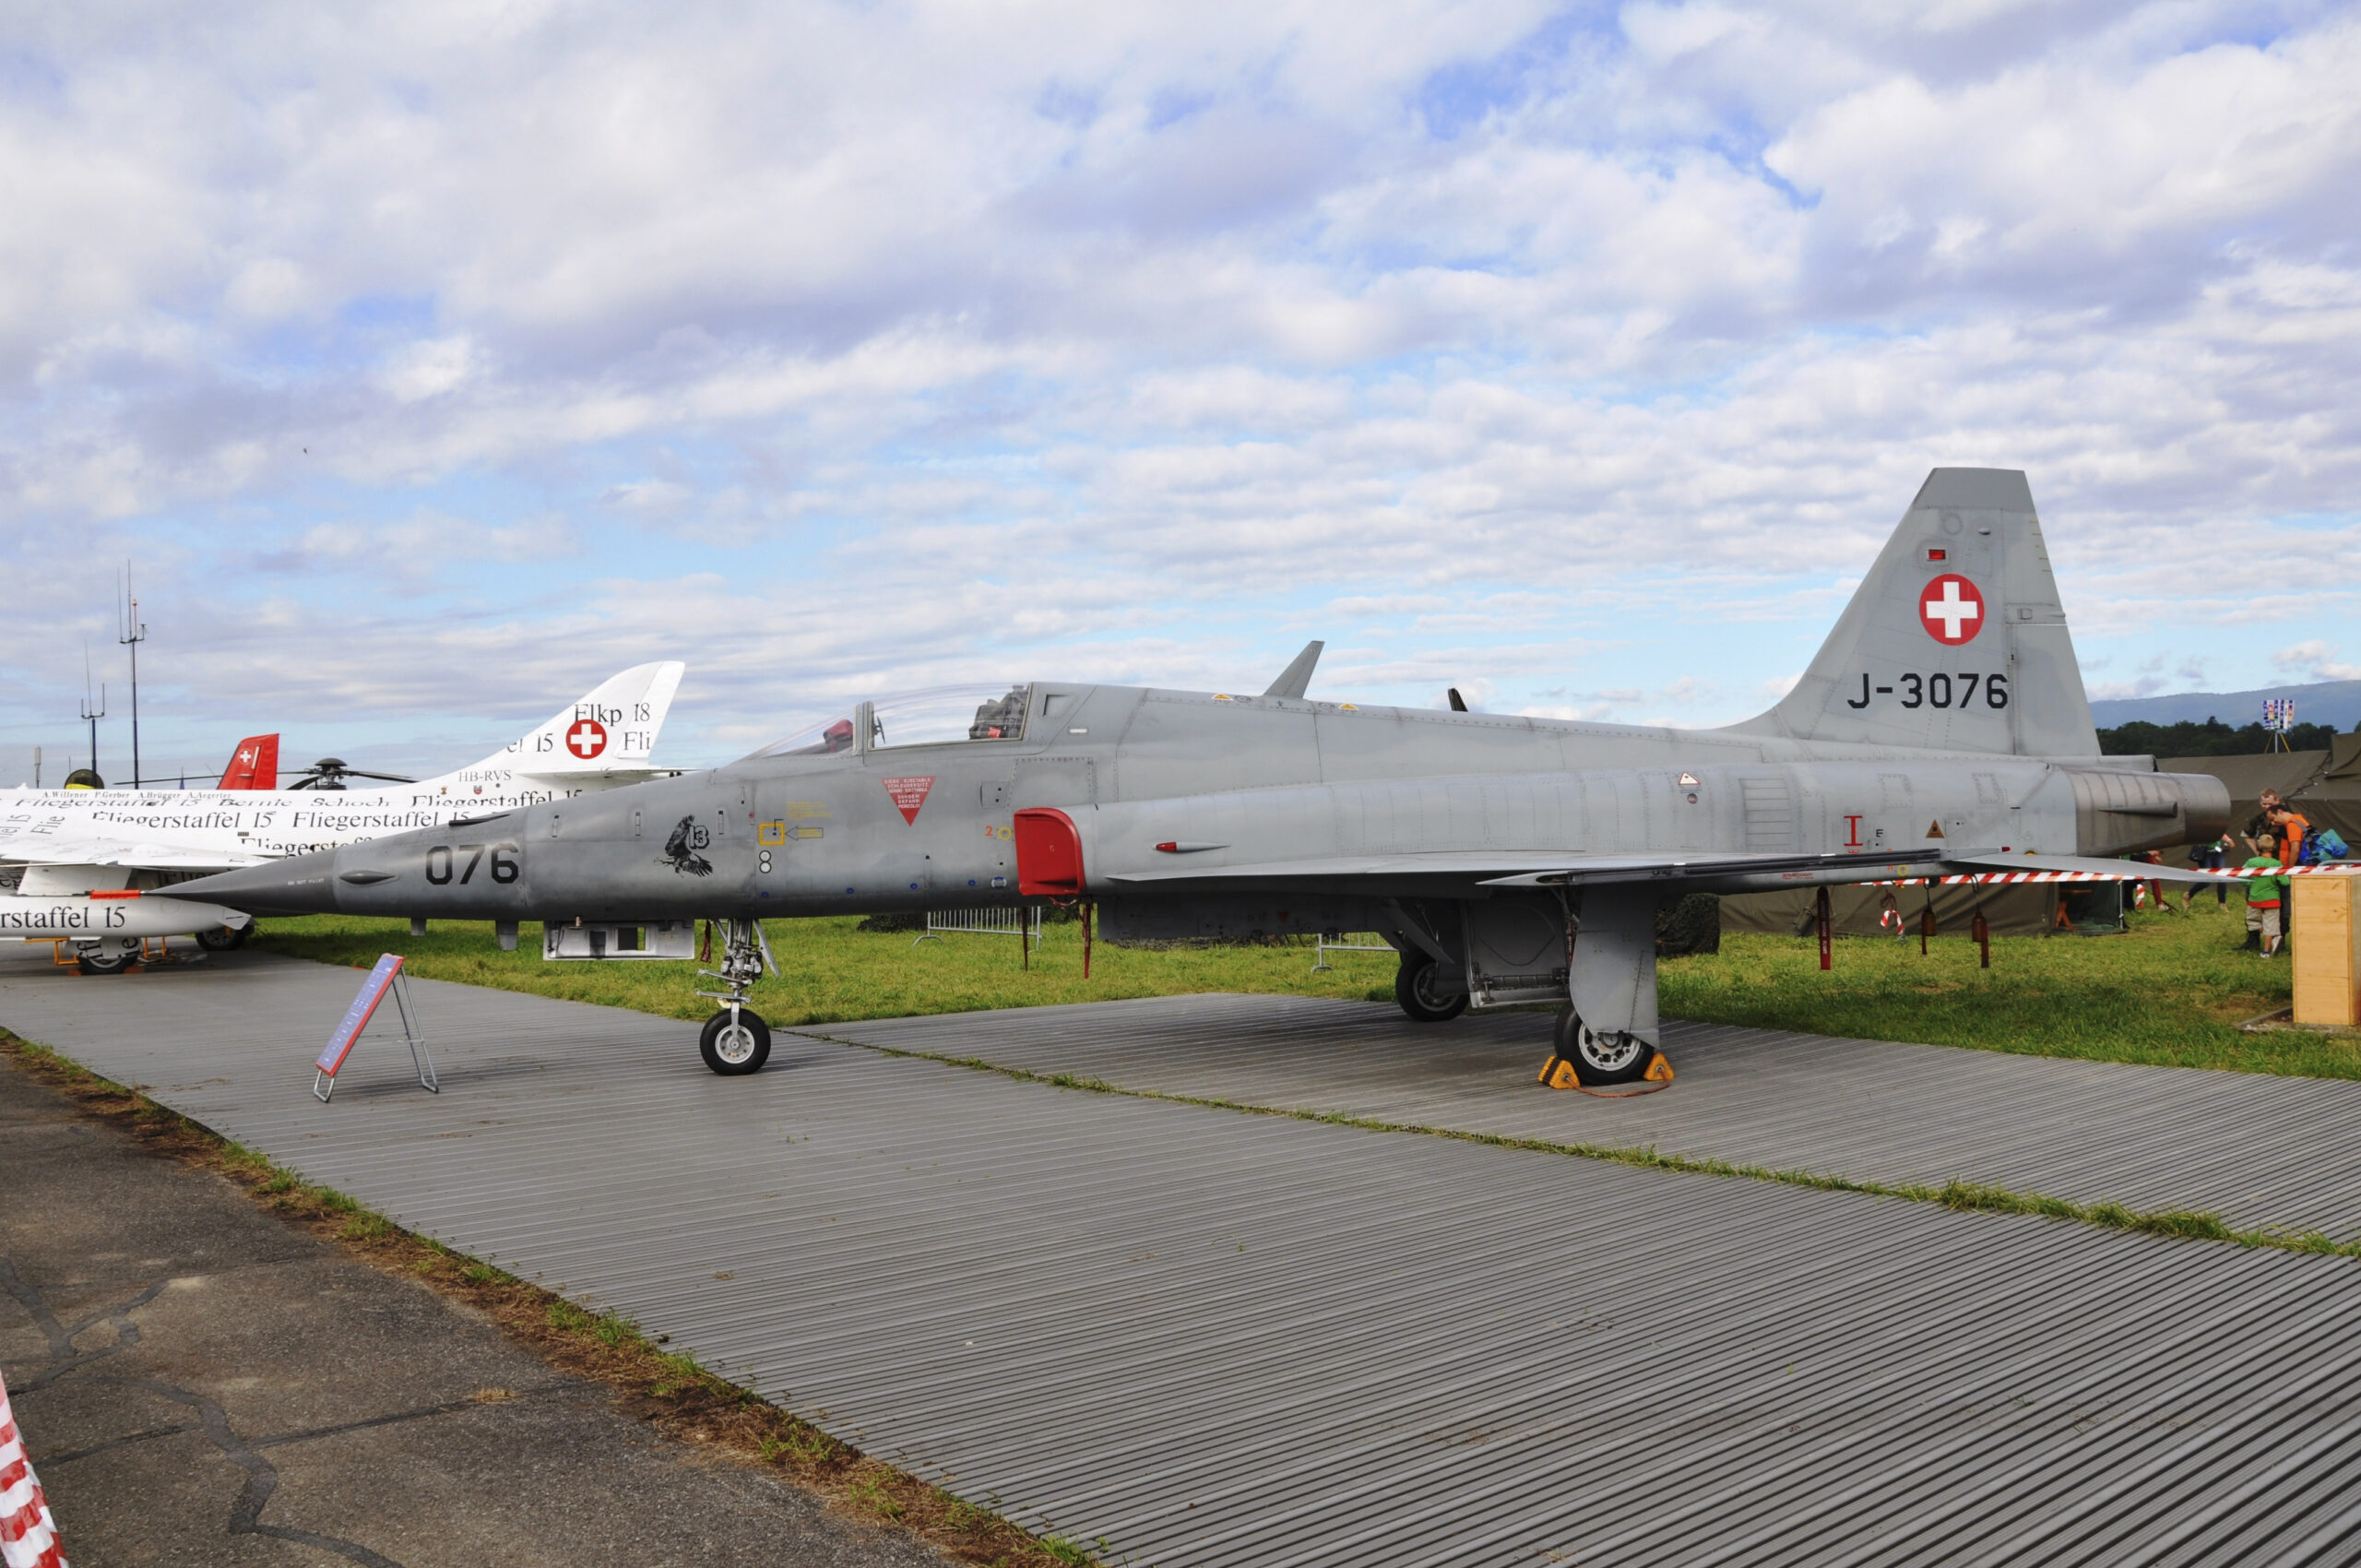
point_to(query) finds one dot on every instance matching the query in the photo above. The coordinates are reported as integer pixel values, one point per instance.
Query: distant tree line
(2212, 738)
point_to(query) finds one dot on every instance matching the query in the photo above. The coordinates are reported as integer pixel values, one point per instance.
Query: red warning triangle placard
(908, 794)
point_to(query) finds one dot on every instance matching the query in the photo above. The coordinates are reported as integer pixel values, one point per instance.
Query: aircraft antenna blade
(1296, 677)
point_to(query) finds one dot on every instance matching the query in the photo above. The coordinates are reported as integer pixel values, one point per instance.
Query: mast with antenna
(91, 714)
(132, 633)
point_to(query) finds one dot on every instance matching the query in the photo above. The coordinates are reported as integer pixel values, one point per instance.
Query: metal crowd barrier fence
(1323, 947)
(1024, 922)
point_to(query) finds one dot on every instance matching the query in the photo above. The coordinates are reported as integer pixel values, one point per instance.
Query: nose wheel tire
(1601, 1059)
(101, 963)
(735, 1046)
(1418, 987)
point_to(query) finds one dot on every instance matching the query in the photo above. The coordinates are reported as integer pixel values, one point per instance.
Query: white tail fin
(612, 729)
(1955, 640)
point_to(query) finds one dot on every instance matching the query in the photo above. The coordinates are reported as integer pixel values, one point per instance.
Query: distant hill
(2333, 703)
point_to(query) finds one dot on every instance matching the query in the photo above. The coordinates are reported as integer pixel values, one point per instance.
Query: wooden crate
(2326, 948)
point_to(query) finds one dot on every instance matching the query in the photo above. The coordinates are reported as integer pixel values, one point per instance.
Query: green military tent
(2026, 910)
(2333, 798)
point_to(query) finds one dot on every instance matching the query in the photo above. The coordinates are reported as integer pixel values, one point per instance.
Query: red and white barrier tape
(27, 1535)
(2131, 873)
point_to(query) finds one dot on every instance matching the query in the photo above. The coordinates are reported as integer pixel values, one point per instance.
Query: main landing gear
(1419, 986)
(1605, 1040)
(1582, 1057)
(735, 1041)
(224, 939)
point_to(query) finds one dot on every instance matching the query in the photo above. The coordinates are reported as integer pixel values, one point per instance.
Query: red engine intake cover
(1049, 853)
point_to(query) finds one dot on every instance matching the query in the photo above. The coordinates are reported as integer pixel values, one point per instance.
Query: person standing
(2264, 893)
(2291, 829)
(2211, 857)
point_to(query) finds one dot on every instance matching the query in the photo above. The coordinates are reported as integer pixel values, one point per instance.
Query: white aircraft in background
(73, 862)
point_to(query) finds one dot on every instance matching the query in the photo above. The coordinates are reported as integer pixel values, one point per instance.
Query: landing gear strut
(735, 1041)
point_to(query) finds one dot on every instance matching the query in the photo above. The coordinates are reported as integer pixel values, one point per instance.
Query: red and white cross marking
(587, 738)
(1951, 610)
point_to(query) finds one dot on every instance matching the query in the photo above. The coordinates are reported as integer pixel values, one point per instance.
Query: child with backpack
(2264, 892)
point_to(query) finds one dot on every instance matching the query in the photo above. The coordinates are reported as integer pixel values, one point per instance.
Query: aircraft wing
(1526, 869)
(73, 845)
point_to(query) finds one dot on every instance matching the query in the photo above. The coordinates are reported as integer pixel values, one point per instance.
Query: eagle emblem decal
(681, 849)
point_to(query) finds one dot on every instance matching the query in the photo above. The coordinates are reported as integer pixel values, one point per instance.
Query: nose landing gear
(735, 1041)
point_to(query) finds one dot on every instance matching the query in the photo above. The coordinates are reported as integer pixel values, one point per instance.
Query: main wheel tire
(1599, 1060)
(732, 1049)
(101, 963)
(221, 939)
(1416, 989)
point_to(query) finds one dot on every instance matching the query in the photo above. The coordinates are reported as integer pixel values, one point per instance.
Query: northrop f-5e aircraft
(75, 864)
(1941, 728)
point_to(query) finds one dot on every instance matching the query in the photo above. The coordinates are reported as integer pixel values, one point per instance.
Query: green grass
(2171, 992)
(833, 973)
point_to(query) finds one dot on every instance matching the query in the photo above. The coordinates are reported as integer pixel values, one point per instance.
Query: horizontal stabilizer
(1296, 679)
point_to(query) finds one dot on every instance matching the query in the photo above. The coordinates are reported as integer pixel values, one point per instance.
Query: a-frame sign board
(386, 977)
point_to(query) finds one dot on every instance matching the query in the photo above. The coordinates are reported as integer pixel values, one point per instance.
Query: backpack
(2324, 844)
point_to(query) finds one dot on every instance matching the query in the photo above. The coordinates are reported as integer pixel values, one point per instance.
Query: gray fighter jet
(1942, 728)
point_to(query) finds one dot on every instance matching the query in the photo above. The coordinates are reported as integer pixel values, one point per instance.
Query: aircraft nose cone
(300, 884)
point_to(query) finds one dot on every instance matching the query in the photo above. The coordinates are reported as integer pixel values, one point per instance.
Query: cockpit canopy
(932, 717)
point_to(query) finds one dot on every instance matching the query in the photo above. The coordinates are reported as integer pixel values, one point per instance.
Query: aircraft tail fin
(254, 766)
(1956, 639)
(611, 730)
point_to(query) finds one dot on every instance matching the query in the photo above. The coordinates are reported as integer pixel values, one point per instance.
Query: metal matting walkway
(2261, 1151)
(1214, 1337)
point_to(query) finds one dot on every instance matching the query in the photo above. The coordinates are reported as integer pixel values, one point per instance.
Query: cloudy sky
(429, 362)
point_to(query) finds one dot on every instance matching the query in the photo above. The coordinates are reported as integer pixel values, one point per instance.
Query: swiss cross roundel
(587, 738)
(1951, 610)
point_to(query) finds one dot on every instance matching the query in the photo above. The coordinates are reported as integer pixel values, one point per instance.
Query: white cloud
(429, 369)
(2315, 660)
(1508, 350)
